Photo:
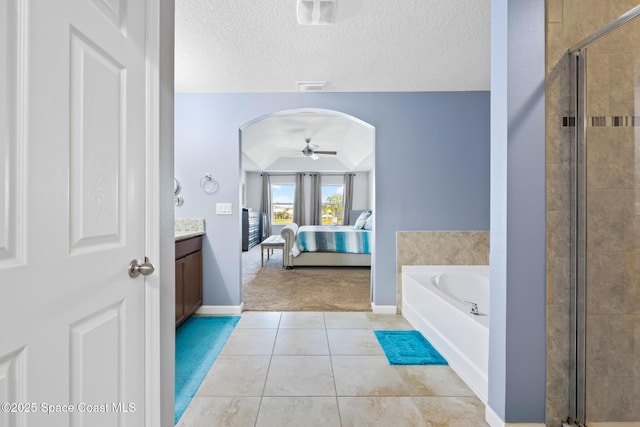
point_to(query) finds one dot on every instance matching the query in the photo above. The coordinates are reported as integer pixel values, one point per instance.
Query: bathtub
(433, 301)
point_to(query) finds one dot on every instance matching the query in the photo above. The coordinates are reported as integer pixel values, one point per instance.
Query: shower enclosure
(606, 292)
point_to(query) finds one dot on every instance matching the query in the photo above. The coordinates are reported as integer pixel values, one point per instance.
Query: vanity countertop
(185, 228)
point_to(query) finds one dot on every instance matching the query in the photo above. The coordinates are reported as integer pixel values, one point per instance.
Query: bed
(326, 245)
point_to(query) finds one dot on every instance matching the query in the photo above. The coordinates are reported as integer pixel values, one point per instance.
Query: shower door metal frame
(577, 384)
(578, 59)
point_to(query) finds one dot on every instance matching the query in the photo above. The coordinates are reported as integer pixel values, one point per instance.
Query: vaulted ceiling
(276, 143)
(373, 45)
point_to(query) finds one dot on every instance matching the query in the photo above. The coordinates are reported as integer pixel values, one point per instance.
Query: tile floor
(325, 369)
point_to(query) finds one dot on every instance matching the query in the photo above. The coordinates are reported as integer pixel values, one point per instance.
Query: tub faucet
(474, 307)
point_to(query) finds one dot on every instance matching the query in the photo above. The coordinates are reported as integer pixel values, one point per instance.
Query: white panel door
(72, 212)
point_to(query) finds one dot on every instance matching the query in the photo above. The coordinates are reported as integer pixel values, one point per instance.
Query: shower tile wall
(439, 248)
(613, 238)
(568, 22)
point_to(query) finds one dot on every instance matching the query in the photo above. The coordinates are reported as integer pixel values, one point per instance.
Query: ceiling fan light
(316, 12)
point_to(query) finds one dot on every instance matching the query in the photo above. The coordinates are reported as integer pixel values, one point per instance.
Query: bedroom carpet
(273, 288)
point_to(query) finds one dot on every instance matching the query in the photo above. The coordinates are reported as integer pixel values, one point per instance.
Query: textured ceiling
(373, 45)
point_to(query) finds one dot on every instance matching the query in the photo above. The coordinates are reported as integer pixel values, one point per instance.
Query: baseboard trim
(494, 420)
(384, 309)
(221, 310)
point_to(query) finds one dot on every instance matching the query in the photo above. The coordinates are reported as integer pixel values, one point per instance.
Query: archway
(274, 144)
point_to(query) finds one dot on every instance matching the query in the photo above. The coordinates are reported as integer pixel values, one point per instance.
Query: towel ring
(208, 184)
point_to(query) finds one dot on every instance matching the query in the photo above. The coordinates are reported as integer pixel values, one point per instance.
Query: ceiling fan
(311, 152)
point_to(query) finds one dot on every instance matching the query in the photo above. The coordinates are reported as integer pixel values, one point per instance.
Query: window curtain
(347, 197)
(298, 200)
(316, 200)
(265, 204)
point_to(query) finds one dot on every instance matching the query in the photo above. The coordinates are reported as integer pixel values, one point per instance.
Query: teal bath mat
(199, 340)
(408, 348)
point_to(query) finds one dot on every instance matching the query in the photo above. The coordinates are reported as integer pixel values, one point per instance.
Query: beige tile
(451, 411)
(558, 195)
(379, 411)
(353, 341)
(300, 376)
(554, 10)
(220, 412)
(636, 349)
(301, 342)
(298, 411)
(612, 398)
(236, 376)
(613, 213)
(433, 381)
(558, 281)
(442, 247)
(385, 322)
(351, 320)
(302, 319)
(259, 319)
(583, 17)
(556, 411)
(367, 376)
(558, 353)
(610, 340)
(611, 158)
(250, 341)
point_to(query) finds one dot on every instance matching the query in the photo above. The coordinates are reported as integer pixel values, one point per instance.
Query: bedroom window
(332, 204)
(282, 203)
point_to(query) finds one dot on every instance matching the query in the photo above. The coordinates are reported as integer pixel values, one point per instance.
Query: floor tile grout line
(264, 385)
(333, 373)
(414, 394)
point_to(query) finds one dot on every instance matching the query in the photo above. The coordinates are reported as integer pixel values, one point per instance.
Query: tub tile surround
(328, 385)
(568, 22)
(439, 248)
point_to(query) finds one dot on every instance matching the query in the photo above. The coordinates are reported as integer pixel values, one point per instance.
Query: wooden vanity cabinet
(188, 277)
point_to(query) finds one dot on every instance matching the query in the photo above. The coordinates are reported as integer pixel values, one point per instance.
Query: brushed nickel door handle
(136, 268)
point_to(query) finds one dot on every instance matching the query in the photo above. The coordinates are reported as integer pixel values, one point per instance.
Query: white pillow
(361, 219)
(368, 224)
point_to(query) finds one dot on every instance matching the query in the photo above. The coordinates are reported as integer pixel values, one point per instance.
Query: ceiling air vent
(316, 12)
(310, 86)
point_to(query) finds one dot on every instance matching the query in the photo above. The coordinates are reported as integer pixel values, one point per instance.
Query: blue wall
(431, 169)
(517, 344)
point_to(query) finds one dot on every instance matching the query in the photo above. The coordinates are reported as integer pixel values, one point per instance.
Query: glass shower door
(607, 316)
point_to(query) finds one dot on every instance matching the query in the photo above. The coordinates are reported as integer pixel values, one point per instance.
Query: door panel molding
(12, 131)
(12, 386)
(114, 10)
(92, 380)
(98, 129)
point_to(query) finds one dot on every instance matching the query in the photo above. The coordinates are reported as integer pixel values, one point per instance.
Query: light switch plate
(223, 209)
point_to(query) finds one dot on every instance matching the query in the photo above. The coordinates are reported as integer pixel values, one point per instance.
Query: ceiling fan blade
(325, 152)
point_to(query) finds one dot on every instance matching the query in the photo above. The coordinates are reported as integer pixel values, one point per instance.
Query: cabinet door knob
(136, 268)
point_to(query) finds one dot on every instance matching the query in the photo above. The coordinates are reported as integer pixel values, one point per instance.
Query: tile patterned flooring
(325, 369)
